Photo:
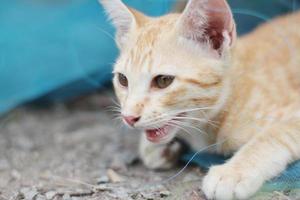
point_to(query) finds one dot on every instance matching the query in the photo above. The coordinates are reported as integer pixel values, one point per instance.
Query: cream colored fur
(243, 94)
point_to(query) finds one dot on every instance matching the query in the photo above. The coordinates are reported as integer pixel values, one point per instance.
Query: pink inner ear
(215, 17)
(219, 19)
(214, 33)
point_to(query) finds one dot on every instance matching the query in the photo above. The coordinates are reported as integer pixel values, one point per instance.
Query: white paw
(160, 156)
(226, 182)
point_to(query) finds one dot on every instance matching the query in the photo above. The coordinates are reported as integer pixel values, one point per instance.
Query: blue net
(287, 180)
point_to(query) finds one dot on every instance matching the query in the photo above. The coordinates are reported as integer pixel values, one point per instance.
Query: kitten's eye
(162, 81)
(122, 80)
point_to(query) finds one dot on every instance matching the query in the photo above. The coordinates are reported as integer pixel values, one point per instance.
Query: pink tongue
(153, 133)
(156, 134)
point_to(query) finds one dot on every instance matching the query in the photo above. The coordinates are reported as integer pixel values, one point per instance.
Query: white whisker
(169, 114)
(180, 127)
(193, 127)
(206, 121)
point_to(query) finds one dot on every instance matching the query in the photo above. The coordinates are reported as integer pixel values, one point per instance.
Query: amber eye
(122, 80)
(162, 81)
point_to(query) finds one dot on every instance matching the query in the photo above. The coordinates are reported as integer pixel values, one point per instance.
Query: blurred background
(57, 50)
(57, 140)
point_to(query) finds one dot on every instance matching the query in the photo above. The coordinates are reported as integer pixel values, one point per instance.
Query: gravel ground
(77, 151)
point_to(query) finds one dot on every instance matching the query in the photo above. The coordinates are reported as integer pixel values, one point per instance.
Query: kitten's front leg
(159, 156)
(261, 159)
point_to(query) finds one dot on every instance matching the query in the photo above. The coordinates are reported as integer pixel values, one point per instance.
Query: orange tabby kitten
(188, 72)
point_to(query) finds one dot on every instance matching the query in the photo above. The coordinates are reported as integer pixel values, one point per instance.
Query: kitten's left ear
(123, 18)
(208, 22)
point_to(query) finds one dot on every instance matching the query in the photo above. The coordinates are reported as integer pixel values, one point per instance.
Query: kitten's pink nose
(131, 120)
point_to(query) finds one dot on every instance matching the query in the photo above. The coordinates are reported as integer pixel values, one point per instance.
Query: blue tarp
(45, 45)
(287, 180)
(60, 49)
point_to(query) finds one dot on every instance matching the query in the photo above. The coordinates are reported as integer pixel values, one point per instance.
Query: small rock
(40, 197)
(29, 193)
(50, 195)
(164, 193)
(102, 180)
(148, 196)
(67, 197)
(81, 192)
(134, 196)
(113, 176)
(119, 193)
(102, 188)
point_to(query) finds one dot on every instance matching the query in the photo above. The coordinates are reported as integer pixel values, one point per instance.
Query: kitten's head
(172, 67)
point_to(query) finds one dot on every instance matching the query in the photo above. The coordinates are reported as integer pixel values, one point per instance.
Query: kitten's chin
(161, 135)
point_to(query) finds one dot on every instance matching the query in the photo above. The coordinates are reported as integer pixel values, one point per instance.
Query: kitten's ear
(123, 18)
(208, 22)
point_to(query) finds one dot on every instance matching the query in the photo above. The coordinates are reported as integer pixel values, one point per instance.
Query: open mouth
(161, 134)
(157, 135)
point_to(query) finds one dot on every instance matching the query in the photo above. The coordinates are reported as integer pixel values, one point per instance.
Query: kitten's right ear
(122, 17)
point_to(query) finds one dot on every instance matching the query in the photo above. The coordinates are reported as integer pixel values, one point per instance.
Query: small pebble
(164, 193)
(40, 197)
(148, 196)
(102, 188)
(29, 193)
(134, 196)
(67, 197)
(102, 180)
(50, 195)
(113, 176)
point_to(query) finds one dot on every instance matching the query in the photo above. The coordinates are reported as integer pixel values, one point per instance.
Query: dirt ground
(77, 151)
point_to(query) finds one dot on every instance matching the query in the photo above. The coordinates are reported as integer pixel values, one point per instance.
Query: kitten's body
(265, 81)
(246, 96)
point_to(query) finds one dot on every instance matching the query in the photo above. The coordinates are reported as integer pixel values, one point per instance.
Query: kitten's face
(161, 78)
(160, 82)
